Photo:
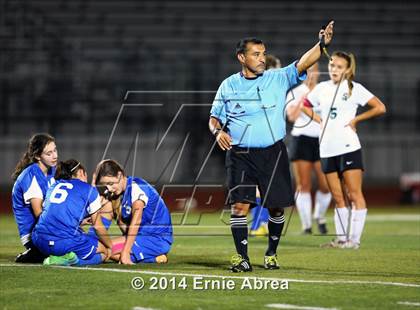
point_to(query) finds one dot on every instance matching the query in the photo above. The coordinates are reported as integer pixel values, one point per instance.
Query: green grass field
(383, 274)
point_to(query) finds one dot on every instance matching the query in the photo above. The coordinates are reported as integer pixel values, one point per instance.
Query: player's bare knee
(356, 196)
(240, 209)
(305, 186)
(339, 200)
(239, 212)
(277, 212)
(323, 189)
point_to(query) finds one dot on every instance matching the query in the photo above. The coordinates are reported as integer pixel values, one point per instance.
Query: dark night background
(66, 67)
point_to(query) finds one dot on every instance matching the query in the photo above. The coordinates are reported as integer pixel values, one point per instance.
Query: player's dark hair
(108, 167)
(68, 169)
(271, 61)
(242, 44)
(35, 148)
(351, 64)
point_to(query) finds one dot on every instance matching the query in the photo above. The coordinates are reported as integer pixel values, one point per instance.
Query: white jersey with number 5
(338, 138)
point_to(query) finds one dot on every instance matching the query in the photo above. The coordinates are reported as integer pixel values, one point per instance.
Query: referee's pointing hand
(328, 32)
(224, 140)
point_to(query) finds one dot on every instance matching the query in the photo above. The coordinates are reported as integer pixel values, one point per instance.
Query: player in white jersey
(304, 154)
(340, 149)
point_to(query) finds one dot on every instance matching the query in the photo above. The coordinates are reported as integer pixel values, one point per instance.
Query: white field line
(177, 274)
(370, 218)
(287, 306)
(409, 303)
(142, 308)
(393, 217)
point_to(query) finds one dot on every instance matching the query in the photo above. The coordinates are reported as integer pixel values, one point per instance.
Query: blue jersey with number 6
(67, 203)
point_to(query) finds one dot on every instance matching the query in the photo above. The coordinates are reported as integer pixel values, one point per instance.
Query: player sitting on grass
(143, 216)
(259, 226)
(68, 202)
(33, 175)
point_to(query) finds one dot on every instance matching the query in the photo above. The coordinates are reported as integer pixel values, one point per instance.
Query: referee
(247, 121)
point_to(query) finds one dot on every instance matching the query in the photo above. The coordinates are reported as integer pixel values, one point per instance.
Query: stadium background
(71, 67)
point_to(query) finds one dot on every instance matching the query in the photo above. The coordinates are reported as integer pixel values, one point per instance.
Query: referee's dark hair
(242, 44)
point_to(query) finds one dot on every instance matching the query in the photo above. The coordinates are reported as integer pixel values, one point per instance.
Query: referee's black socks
(275, 227)
(239, 227)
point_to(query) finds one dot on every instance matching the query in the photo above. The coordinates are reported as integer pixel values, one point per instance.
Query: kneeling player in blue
(143, 218)
(260, 218)
(33, 175)
(68, 202)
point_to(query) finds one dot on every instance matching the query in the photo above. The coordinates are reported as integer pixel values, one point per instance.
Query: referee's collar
(253, 78)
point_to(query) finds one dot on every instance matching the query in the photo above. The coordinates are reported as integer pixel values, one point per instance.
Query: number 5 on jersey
(333, 113)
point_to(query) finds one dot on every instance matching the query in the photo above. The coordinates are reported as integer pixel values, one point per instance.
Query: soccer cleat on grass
(32, 255)
(270, 262)
(307, 231)
(322, 228)
(261, 231)
(68, 259)
(351, 245)
(333, 244)
(240, 264)
(161, 259)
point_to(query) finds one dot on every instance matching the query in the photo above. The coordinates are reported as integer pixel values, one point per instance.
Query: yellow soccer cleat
(161, 259)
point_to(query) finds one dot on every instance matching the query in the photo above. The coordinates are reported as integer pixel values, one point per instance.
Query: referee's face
(253, 60)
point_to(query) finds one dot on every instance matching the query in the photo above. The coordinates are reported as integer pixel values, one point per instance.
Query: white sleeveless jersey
(303, 125)
(336, 138)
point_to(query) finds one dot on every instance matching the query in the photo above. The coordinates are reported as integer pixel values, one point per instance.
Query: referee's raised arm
(312, 56)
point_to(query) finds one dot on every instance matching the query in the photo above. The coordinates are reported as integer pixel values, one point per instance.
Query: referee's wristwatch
(216, 131)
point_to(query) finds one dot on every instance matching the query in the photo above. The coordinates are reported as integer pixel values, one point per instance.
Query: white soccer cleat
(351, 245)
(335, 243)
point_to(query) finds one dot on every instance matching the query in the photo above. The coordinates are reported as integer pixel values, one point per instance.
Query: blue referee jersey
(252, 110)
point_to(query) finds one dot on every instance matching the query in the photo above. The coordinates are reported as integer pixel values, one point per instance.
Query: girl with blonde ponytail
(351, 72)
(341, 158)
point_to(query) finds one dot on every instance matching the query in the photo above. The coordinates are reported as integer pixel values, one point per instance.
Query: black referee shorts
(304, 148)
(341, 163)
(267, 168)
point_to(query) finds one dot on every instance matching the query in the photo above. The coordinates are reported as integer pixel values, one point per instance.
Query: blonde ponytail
(351, 65)
(352, 72)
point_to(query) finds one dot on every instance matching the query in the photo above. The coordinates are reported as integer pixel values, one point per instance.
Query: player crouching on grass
(143, 216)
(33, 174)
(67, 204)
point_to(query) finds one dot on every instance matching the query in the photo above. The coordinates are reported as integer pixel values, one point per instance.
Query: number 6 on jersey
(59, 194)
